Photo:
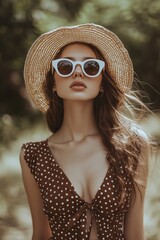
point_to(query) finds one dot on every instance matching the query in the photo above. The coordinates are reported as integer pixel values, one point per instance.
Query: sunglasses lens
(91, 68)
(64, 67)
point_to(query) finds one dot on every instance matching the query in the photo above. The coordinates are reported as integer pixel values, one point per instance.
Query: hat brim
(45, 48)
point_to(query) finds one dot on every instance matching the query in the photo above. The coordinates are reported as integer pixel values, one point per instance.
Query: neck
(78, 121)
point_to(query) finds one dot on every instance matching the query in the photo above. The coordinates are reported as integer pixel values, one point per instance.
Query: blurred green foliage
(17, 30)
(136, 22)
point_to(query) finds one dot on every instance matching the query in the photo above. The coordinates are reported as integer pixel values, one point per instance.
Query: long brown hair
(115, 130)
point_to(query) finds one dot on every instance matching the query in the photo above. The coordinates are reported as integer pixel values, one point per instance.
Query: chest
(84, 166)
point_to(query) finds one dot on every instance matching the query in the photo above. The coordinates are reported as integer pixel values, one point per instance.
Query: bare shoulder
(140, 135)
(21, 155)
(143, 140)
(23, 163)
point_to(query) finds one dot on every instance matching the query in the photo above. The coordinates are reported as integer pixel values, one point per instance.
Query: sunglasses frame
(75, 63)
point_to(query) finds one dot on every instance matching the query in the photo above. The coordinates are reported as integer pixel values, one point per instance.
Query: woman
(88, 179)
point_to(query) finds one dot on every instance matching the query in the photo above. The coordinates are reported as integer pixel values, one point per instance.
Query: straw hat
(44, 49)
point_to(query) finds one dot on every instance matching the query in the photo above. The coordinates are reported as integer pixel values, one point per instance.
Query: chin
(78, 96)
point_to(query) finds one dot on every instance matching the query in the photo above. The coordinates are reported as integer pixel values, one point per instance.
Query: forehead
(78, 50)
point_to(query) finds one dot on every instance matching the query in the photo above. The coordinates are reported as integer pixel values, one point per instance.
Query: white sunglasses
(90, 67)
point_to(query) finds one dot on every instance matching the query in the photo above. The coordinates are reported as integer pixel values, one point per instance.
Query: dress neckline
(70, 183)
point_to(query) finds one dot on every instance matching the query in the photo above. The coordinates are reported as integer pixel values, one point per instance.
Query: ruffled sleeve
(30, 155)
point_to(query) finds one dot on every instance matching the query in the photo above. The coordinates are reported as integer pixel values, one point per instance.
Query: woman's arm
(134, 228)
(41, 229)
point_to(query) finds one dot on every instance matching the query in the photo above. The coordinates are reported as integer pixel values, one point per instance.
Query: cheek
(58, 82)
(95, 87)
(60, 86)
(98, 82)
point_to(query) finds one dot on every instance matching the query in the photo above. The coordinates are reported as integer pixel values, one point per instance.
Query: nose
(78, 72)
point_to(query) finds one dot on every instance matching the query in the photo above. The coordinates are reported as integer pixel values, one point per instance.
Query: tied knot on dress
(86, 213)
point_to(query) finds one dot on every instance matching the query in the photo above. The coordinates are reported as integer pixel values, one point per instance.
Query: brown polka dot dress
(67, 212)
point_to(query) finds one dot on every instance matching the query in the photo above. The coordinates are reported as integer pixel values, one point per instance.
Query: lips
(78, 84)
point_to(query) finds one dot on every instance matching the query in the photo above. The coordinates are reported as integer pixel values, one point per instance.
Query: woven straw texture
(44, 49)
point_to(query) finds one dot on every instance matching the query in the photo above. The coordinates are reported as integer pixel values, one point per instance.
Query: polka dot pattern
(66, 210)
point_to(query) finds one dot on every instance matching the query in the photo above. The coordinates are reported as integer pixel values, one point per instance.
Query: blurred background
(136, 22)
